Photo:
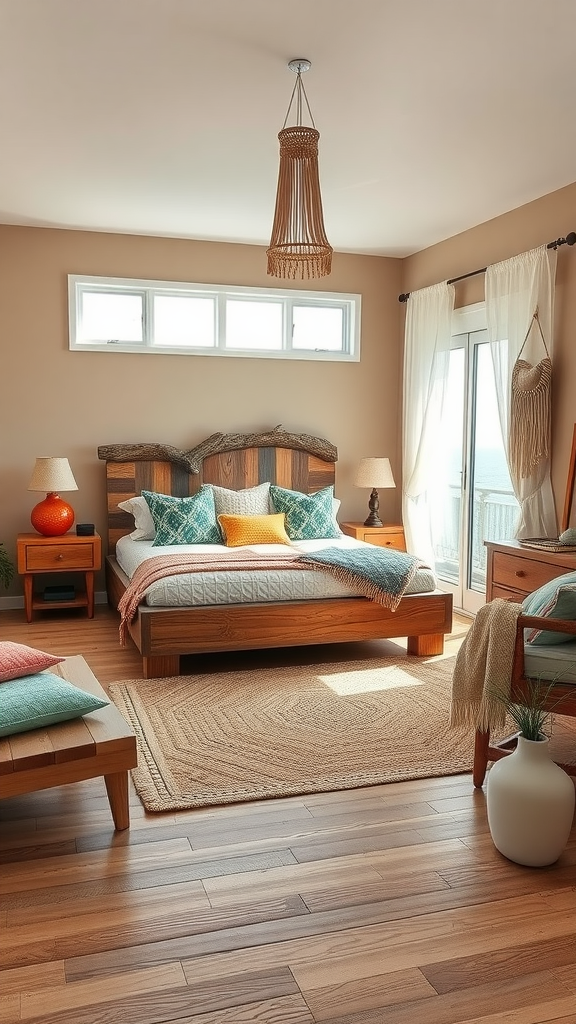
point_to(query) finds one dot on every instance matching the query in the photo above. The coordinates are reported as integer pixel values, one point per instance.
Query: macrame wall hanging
(530, 410)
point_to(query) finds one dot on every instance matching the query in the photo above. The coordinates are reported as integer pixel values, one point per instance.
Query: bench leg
(117, 789)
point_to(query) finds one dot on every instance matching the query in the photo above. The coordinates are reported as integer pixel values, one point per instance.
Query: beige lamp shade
(53, 516)
(52, 475)
(374, 473)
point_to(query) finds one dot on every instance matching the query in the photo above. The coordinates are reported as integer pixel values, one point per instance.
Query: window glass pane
(254, 325)
(316, 327)
(184, 320)
(110, 317)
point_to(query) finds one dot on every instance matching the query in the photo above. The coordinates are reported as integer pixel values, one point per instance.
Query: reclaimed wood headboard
(300, 462)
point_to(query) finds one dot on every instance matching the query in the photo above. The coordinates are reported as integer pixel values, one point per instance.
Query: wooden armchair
(484, 751)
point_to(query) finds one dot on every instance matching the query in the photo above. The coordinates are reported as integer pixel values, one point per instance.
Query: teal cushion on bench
(35, 701)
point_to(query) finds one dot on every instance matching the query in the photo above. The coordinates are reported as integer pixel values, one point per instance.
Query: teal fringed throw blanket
(381, 574)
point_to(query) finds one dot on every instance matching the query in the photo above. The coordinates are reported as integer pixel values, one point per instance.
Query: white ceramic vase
(530, 804)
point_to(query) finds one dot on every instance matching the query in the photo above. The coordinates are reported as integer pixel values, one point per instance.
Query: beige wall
(552, 216)
(57, 402)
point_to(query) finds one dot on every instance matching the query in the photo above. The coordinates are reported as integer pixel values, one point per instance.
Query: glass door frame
(467, 321)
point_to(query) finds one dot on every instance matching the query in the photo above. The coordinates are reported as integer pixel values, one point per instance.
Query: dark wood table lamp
(374, 473)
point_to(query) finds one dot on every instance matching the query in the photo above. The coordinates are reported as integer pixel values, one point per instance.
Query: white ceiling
(161, 116)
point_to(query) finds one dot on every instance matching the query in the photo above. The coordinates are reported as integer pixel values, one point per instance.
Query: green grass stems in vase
(532, 715)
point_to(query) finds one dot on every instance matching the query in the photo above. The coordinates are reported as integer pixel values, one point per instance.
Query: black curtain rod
(569, 240)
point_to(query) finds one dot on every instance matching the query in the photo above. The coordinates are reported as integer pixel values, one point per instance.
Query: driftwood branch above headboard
(216, 444)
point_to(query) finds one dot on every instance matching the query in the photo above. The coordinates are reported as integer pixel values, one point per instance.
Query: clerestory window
(123, 315)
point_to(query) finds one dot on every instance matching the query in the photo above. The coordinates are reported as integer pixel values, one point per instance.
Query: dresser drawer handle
(519, 572)
(59, 557)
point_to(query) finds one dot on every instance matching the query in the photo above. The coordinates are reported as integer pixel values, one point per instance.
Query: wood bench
(100, 743)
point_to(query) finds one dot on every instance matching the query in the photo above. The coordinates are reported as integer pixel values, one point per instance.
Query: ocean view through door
(471, 497)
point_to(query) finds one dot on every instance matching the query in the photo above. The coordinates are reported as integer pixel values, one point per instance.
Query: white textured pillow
(138, 507)
(252, 501)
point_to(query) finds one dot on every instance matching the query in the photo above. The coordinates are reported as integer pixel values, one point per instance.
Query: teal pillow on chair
(184, 520)
(41, 699)
(555, 600)
(308, 516)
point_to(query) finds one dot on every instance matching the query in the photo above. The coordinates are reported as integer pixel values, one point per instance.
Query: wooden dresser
(513, 571)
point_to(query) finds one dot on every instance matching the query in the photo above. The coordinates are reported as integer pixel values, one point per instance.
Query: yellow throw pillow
(241, 530)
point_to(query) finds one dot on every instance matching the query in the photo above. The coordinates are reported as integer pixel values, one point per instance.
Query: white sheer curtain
(514, 290)
(426, 362)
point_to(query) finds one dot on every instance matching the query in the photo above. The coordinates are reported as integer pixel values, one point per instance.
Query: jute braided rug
(270, 732)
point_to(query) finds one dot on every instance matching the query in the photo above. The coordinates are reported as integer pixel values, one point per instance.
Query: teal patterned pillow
(184, 520)
(308, 516)
(34, 701)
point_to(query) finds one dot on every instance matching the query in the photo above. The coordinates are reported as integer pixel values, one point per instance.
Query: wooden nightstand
(381, 536)
(68, 553)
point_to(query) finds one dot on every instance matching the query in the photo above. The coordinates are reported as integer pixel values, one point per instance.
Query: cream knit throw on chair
(484, 667)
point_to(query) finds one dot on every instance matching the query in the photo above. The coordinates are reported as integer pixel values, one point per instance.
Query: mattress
(210, 588)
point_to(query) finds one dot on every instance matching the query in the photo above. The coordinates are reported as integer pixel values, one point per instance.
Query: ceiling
(160, 117)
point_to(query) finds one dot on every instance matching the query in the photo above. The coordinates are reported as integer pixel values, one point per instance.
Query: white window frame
(349, 303)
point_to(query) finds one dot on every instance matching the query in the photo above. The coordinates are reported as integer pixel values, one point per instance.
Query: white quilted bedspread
(246, 587)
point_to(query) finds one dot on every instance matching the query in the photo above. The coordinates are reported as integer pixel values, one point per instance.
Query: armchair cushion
(555, 600)
(555, 663)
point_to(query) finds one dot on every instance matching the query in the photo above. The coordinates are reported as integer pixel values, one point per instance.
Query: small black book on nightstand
(59, 593)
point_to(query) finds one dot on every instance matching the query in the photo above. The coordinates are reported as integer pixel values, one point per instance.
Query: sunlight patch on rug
(247, 735)
(390, 678)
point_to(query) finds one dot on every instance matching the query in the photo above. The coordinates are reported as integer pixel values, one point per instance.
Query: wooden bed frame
(299, 462)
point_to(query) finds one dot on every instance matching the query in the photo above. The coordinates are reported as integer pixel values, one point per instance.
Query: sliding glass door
(471, 498)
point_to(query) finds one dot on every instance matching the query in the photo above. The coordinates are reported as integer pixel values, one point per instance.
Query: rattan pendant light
(298, 246)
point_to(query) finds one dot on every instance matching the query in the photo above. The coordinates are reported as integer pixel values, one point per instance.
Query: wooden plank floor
(386, 905)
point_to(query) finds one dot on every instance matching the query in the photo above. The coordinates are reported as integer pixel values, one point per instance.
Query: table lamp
(53, 516)
(374, 473)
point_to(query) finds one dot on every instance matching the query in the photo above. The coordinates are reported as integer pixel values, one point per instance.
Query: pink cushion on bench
(18, 660)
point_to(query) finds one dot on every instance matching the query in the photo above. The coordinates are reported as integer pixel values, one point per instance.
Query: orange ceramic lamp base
(53, 516)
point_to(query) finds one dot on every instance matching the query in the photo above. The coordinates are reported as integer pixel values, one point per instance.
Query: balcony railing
(494, 517)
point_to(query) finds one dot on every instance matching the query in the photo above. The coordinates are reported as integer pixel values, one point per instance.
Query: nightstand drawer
(59, 556)
(508, 595)
(380, 536)
(522, 574)
(386, 540)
